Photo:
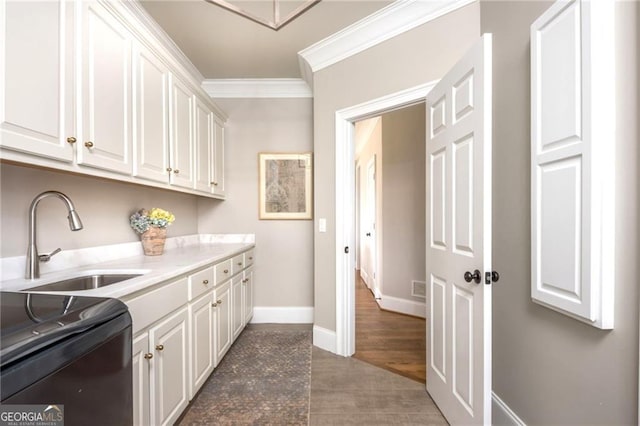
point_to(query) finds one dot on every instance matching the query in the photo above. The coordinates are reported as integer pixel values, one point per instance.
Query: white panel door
(204, 150)
(218, 160)
(222, 312)
(140, 361)
(236, 300)
(573, 160)
(202, 345)
(182, 146)
(152, 117)
(368, 271)
(170, 379)
(37, 79)
(247, 294)
(459, 239)
(106, 91)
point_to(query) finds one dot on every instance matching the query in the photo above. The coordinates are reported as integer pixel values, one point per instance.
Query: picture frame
(285, 186)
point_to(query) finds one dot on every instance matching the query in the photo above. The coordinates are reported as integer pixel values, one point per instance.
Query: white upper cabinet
(181, 134)
(204, 146)
(37, 85)
(217, 173)
(106, 76)
(151, 117)
(572, 160)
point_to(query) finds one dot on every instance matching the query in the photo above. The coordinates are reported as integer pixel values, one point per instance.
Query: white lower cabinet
(236, 299)
(182, 329)
(247, 295)
(203, 357)
(222, 319)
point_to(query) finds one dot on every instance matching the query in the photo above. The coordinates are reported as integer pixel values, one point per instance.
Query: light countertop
(182, 255)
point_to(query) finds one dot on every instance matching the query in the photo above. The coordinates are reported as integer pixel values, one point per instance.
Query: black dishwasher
(67, 351)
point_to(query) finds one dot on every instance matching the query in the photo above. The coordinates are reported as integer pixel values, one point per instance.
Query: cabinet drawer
(200, 282)
(249, 257)
(150, 307)
(238, 263)
(222, 271)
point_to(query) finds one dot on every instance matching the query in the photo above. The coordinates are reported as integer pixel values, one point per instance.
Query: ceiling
(223, 44)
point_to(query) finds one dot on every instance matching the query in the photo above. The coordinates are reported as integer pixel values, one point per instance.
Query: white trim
(257, 88)
(403, 306)
(345, 172)
(388, 22)
(324, 339)
(503, 415)
(282, 315)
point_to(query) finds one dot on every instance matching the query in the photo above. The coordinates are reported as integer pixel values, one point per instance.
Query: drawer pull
(169, 169)
(246, 280)
(205, 282)
(226, 271)
(219, 302)
(148, 355)
(159, 347)
(176, 171)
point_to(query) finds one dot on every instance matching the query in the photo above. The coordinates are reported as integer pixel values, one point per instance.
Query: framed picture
(285, 186)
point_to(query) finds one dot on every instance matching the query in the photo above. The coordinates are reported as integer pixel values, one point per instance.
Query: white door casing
(459, 239)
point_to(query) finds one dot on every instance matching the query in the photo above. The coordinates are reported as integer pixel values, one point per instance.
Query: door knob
(468, 276)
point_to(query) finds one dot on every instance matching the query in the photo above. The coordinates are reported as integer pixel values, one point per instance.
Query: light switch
(322, 225)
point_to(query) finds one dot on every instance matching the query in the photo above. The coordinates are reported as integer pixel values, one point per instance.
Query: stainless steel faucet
(33, 259)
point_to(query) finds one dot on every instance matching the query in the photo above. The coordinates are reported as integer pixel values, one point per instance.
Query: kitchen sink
(85, 282)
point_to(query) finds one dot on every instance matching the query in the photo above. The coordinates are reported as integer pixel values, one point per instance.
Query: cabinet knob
(250, 258)
(246, 280)
(176, 171)
(239, 263)
(214, 304)
(159, 347)
(71, 139)
(226, 271)
(219, 302)
(205, 282)
(169, 169)
(88, 144)
(214, 183)
(148, 355)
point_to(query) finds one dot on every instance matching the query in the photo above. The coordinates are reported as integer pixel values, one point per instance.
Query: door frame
(345, 202)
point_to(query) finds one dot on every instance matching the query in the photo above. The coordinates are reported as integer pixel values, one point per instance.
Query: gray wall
(547, 367)
(403, 201)
(415, 57)
(284, 248)
(104, 207)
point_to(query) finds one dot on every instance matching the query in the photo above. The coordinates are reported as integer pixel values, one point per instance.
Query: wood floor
(392, 341)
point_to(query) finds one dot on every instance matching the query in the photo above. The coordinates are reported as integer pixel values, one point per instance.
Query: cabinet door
(169, 380)
(37, 113)
(202, 355)
(236, 303)
(141, 358)
(218, 160)
(181, 124)
(106, 91)
(151, 153)
(204, 147)
(222, 297)
(247, 294)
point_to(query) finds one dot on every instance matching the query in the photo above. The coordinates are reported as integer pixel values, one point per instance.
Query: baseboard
(324, 339)
(282, 315)
(403, 306)
(501, 414)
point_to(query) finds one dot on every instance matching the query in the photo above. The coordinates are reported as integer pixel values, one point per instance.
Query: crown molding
(388, 22)
(257, 88)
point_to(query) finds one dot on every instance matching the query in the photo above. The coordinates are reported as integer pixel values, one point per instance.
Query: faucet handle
(47, 257)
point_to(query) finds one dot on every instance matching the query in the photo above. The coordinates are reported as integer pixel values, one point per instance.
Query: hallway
(388, 340)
